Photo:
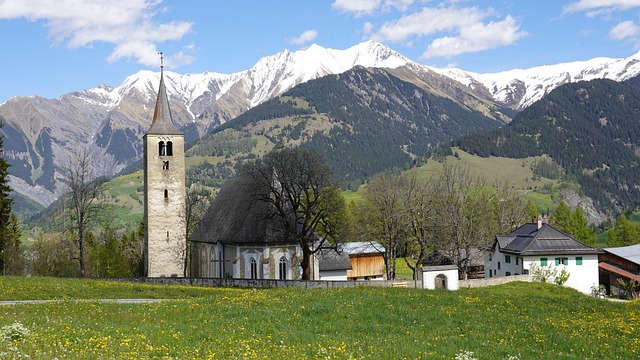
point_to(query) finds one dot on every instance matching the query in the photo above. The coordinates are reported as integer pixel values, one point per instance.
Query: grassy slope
(528, 320)
(516, 172)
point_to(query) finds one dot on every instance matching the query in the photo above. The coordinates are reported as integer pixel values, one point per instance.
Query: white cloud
(626, 29)
(426, 22)
(356, 7)
(128, 25)
(593, 8)
(476, 37)
(366, 7)
(459, 30)
(304, 38)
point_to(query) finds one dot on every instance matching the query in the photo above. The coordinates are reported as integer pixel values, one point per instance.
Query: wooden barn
(367, 260)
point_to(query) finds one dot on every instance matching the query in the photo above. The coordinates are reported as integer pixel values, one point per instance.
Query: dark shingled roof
(330, 260)
(162, 123)
(236, 217)
(546, 240)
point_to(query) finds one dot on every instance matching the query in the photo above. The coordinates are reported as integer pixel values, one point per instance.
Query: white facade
(583, 269)
(333, 275)
(440, 277)
(499, 264)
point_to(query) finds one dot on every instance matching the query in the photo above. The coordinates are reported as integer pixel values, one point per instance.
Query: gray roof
(162, 123)
(330, 260)
(362, 247)
(630, 253)
(235, 216)
(546, 240)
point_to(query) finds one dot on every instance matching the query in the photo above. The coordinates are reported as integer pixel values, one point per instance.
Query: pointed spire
(162, 123)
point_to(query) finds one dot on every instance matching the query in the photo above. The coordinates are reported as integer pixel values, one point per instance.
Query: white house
(541, 244)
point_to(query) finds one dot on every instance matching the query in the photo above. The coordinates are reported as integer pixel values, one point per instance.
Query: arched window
(169, 148)
(254, 268)
(282, 269)
(162, 149)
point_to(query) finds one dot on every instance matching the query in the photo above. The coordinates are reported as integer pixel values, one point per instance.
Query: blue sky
(53, 47)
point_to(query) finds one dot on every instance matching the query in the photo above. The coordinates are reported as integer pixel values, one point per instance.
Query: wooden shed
(367, 260)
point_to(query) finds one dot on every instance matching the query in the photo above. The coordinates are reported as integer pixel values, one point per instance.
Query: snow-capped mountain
(41, 134)
(520, 88)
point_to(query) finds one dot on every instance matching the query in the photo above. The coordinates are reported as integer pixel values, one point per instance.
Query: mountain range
(41, 134)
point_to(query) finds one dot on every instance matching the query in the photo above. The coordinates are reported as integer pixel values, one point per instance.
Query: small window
(282, 267)
(517, 260)
(498, 265)
(562, 261)
(494, 271)
(578, 260)
(162, 149)
(167, 233)
(507, 259)
(543, 261)
(165, 165)
(254, 268)
(508, 273)
(169, 148)
(166, 194)
(490, 257)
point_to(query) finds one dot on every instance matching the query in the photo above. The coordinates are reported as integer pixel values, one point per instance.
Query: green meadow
(511, 321)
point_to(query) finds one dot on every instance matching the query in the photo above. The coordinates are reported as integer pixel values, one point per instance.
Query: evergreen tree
(563, 218)
(581, 229)
(623, 233)
(12, 254)
(5, 203)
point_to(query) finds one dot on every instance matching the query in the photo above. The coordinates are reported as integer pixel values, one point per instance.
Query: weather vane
(161, 60)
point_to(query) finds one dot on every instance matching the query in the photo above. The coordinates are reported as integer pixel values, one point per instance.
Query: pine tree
(581, 229)
(623, 233)
(563, 218)
(5, 203)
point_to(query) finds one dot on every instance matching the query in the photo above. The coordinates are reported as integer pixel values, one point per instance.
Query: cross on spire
(161, 60)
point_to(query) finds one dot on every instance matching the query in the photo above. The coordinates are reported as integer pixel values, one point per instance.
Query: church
(237, 239)
(234, 240)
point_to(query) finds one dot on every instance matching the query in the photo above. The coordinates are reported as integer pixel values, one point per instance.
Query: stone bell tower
(164, 193)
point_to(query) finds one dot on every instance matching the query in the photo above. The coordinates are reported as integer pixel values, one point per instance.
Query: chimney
(539, 221)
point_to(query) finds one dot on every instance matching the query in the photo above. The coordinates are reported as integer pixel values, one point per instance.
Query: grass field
(517, 320)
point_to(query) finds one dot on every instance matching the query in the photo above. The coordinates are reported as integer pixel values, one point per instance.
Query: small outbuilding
(440, 277)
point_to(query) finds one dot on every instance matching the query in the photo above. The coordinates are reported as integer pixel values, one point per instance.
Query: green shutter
(543, 261)
(578, 260)
(557, 261)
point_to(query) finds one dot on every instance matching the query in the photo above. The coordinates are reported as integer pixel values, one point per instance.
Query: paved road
(117, 301)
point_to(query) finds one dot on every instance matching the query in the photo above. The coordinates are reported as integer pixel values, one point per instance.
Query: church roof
(162, 123)
(529, 239)
(236, 217)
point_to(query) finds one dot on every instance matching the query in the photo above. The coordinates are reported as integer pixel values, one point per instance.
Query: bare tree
(303, 199)
(197, 201)
(83, 201)
(421, 222)
(509, 209)
(464, 215)
(382, 217)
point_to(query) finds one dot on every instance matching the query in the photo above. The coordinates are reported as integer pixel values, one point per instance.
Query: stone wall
(312, 284)
(264, 283)
(471, 283)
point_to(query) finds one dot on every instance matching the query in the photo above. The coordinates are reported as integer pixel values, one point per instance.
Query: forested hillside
(591, 129)
(364, 121)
